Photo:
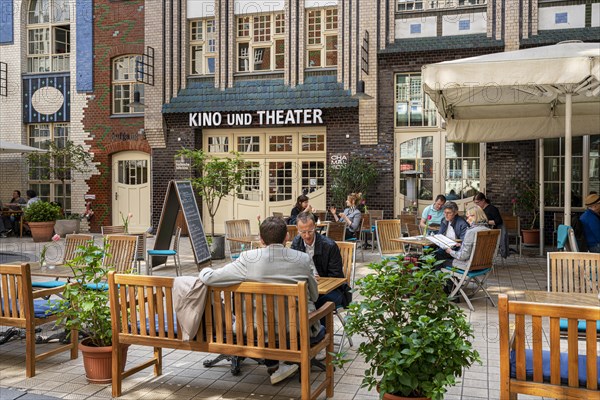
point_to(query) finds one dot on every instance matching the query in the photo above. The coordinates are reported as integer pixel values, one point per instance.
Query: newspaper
(441, 241)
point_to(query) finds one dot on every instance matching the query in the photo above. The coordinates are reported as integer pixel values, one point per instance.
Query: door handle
(116, 195)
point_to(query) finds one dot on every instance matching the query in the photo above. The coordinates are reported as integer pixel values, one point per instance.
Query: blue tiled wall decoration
(32, 83)
(415, 28)
(464, 25)
(561, 18)
(6, 22)
(85, 46)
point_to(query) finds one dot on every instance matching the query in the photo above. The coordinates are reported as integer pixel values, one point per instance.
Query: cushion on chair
(41, 308)
(162, 252)
(48, 284)
(97, 286)
(44, 308)
(564, 362)
(564, 325)
(470, 274)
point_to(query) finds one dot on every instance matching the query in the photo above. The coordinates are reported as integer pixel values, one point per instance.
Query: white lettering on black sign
(266, 117)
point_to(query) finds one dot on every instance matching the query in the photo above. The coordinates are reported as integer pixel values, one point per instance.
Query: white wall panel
(596, 14)
(416, 27)
(563, 17)
(465, 24)
(256, 7)
(320, 3)
(200, 8)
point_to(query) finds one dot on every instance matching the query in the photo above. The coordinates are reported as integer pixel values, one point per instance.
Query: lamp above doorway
(360, 91)
(136, 100)
(364, 67)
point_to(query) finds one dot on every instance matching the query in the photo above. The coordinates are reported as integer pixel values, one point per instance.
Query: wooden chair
(121, 252)
(320, 215)
(277, 214)
(336, 231)
(479, 267)
(533, 359)
(236, 228)
(25, 309)
(292, 232)
(366, 230)
(408, 219)
(166, 253)
(388, 229)
(512, 224)
(374, 215)
(573, 272)
(112, 229)
(348, 251)
(413, 229)
(140, 253)
(72, 242)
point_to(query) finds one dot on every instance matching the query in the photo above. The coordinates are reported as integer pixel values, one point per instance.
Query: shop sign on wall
(337, 160)
(264, 117)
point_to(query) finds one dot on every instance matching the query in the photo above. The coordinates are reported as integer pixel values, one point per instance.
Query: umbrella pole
(568, 153)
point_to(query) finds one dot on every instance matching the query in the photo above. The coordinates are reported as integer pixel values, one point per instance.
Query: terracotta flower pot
(531, 237)
(388, 396)
(41, 231)
(97, 361)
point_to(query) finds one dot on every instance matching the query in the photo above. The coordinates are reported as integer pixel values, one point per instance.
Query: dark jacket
(293, 215)
(459, 225)
(327, 259)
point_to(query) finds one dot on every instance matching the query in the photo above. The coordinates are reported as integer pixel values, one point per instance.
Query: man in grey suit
(272, 264)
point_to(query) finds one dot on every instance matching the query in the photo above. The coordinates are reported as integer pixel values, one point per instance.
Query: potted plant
(353, 177)
(41, 217)
(85, 307)
(527, 199)
(216, 179)
(61, 160)
(417, 341)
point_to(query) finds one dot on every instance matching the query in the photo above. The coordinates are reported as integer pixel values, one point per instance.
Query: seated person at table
(3, 231)
(32, 196)
(493, 214)
(453, 226)
(302, 204)
(434, 214)
(271, 264)
(17, 201)
(590, 220)
(351, 215)
(461, 253)
(325, 257)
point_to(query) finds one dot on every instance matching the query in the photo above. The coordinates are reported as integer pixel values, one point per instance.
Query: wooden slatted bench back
(528, 320)
(260, 320)
(573, 272)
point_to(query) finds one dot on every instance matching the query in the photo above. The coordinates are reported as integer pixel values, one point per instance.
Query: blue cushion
(162, 252)
(564, 371)
(44, 308)
(156, 325)
(471, 274)
(564, 325)
(97, 286)
(562, 235)
(48, 284)
(40, 307)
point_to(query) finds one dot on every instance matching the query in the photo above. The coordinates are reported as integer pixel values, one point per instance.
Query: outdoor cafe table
(59, 271)
(572, 299)
(326, 285)
(252, 240)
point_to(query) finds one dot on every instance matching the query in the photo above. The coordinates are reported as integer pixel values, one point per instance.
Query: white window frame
(124, 85)
(420, 5)
(421, 100)
(60, 134)
(248, 34)
(203, 46)
(328, 30)
(47, 21)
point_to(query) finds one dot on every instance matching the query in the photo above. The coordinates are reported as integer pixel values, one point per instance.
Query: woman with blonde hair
(351, 215)
(461, 253)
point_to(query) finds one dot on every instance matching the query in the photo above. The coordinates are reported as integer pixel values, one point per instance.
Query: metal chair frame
(174, 252)
(348, 251)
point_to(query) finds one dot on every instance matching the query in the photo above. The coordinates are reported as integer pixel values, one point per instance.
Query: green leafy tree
(216, 178)
(417, 341)
(354, 177)
(59, 163)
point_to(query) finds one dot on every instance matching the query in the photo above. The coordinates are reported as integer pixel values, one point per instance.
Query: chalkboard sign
(180, 195)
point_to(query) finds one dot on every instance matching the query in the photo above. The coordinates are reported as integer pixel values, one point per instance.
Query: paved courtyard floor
(184, 377)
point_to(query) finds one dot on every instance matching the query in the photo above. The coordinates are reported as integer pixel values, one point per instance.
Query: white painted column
(568, 154)
(542, 199)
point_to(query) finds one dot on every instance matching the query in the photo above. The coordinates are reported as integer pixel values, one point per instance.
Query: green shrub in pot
(41, 211)
(417, 341)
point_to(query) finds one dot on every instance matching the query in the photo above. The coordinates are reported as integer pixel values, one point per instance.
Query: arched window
(125, 86)
(48, 36)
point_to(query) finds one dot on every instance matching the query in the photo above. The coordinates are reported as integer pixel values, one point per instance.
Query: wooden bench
(573, 272)
(137, 299)
(542, 370)
(23, 308)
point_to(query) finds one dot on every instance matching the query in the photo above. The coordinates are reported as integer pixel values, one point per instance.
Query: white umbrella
(8, 147)
(534, 93)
